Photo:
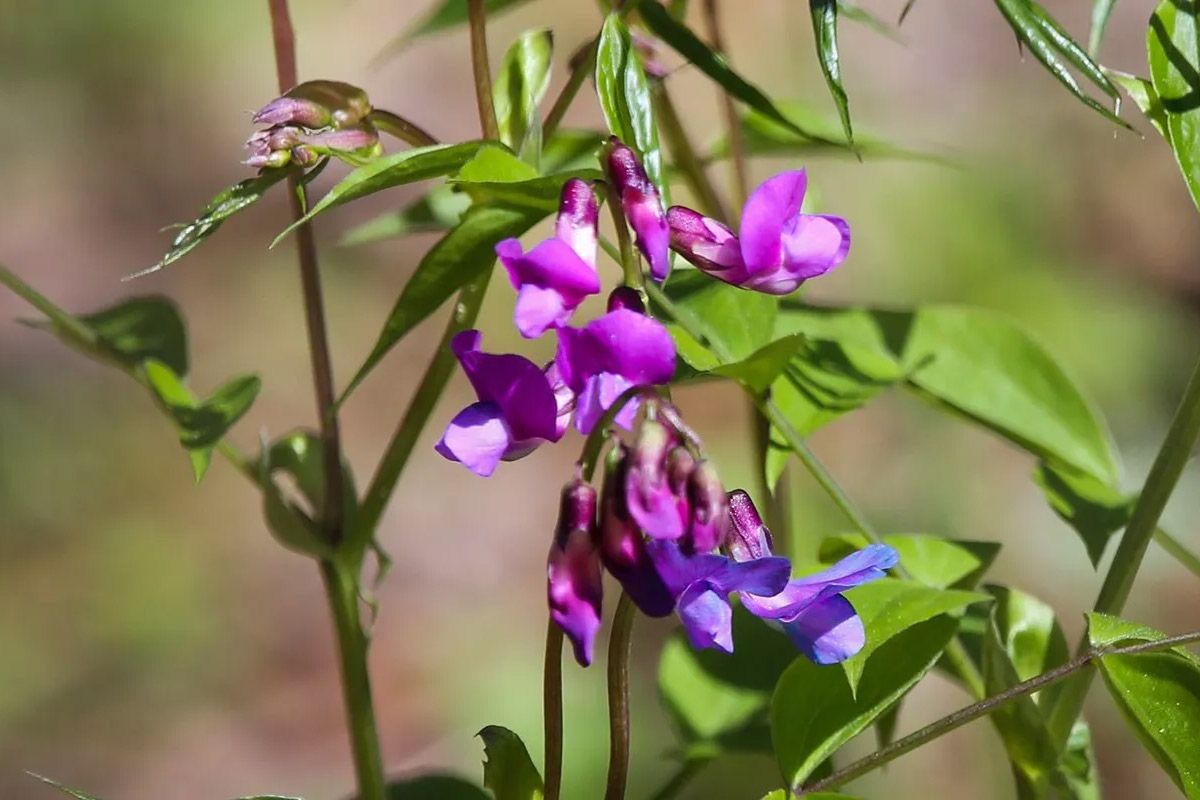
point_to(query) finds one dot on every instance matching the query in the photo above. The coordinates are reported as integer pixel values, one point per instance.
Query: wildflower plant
(648, 526)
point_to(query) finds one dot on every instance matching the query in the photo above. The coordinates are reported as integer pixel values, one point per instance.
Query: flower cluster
(317, 118)
(668, 532)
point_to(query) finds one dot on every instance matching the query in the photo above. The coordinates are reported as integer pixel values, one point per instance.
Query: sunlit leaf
(735, 322)
(824, 21)
(1101, 11)
(1143, 95)
(930, 560)
(439, 210)
(520, 86)
(624, 93)
(1172, 42)
(508, 771)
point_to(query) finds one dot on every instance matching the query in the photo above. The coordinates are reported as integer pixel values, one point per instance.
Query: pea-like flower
(814, 613)
(573, 585)
(520, 406)
(557, 275)
(642, 206)
(316, 104)
(653, 501)
(779, 247)
(609, 355)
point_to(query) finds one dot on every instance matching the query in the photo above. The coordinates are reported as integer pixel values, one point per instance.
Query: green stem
(1178, 550)
(1143, 522)
(618, 698)
(682, 777)
(552, 710)
(683, 153)
(972, 712)
(629, 262)
(480, 67)
(341, 590)
(737, 150)
(582, 64)
(401, 128)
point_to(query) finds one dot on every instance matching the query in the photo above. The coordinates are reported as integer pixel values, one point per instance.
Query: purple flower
(816, 616)
(654, 503)
(557, 275)
(316, 104)
(703, 582)
(622, 545)
(607, 356)
(709, 508)
(573, 585)
(779, 248)
(642, 206)
(520, 406)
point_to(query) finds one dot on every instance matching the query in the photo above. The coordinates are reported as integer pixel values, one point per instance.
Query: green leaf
(1175, 72)
(1101, 11)
(782, 794)
(520, 86)
(735, 322)
(458, 258)
(1051, 45)
(1142, 93)
(890, 607)
(813, 711)
(930, 560)
(1159, 695)
(230, 201)
(497, 176)
(447, 15)
(759, 370)
(299, 455)
(493, 163)
(201, 424)
(824, 21)
(439, 210)
(435, 787)
(1078, 766)
(624, 94)
(397, 169)
(142, 328)
(508, 771)
(67, 790)
(1093, 508)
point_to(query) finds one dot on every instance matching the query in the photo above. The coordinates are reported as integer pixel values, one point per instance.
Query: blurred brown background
(156, 643)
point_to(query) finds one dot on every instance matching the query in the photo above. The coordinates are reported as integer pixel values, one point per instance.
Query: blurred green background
(155, 642)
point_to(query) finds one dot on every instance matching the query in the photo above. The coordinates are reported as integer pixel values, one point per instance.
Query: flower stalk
(552, 710)
(618, 698)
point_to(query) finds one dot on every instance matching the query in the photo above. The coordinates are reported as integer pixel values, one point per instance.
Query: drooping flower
(520, 406)
(702, 583)
(557, 275)
(652, 500)
(779, 247)
(609, 355)
(709, 509)
(642, 206)
(573, 584)
(814, 613)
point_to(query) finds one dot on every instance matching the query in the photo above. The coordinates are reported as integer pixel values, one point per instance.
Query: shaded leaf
(448, 14)
(439, 210)
(520, 86)
(230, 201)
(142, 328)
(624, 94)
(824, 21)
(813, 711)
(434, 787)
(298, 455)
(1094, 509)
(736, 322)
(458, 258)
(508, 771)
(1172, 42)
(759, 370)
(542, 193)
(397, 169)
(930, 560)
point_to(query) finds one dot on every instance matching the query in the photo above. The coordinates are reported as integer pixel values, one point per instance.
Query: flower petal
(573, 588)
(707, 618)
(477, 437)
(813, 244)
(512, 382)
(763, 577)
(766, 215)
(538, 309)
(828, 632)
(866, 565)
(599, 393)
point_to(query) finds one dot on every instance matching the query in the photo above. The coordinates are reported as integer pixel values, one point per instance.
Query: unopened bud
(710, 509)
(647, 491)
(573, 583)
(622, 548)
(642, 206)
(578, 214)
(357, 144)
(746, 537)
(317, 104)
(626, 297)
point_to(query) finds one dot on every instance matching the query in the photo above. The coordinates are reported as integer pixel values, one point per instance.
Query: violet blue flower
(642, 206)
(609, 355)
(557, 275)
(814, 613)
(520, 406)
(573, 584)
(779, 247)
(622, 545)
(703, 582)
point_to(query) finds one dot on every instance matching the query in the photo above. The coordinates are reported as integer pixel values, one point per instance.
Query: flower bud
(578, 215)
(647, 491)
(703, 241)
(642, 206)
(622, 548)
(317, 104)
(710, 509)
(626, 297)
(356, 144)
(746, 537)
(573, 584)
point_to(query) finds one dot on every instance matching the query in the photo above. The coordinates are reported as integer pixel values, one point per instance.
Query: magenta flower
(573, 585)
(814, 613)
(609, 355)
(642, 206)
(703, 582)
(779, 247)
(557, 275)
(652, 500)
(520, 406)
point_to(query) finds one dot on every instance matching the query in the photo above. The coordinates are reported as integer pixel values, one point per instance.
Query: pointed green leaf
(142, 328)
(1101, 11)
(541, 193)
(447, 15)
(1094, 509)
(1159, 695)
(520, 86)
(508, 770)
(824, 21)
(439, 210)
(735, 322)
(759, 370)
(397, 169)
(1172, 42)
(458, 258)
(813, 711)
(1143, 95)
(624, 94)
(230, 201)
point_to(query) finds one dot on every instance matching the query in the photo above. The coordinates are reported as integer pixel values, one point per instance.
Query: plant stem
(629, 261)
(618, 698)
(682, 777)
(552, 710)
(401, 128)
(482, 70)
(341, 589)
(972, 712)
(683, 153)
(1164, 474)
(1178, 550)
(582, 64)
(737, 149)
(284, 39)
